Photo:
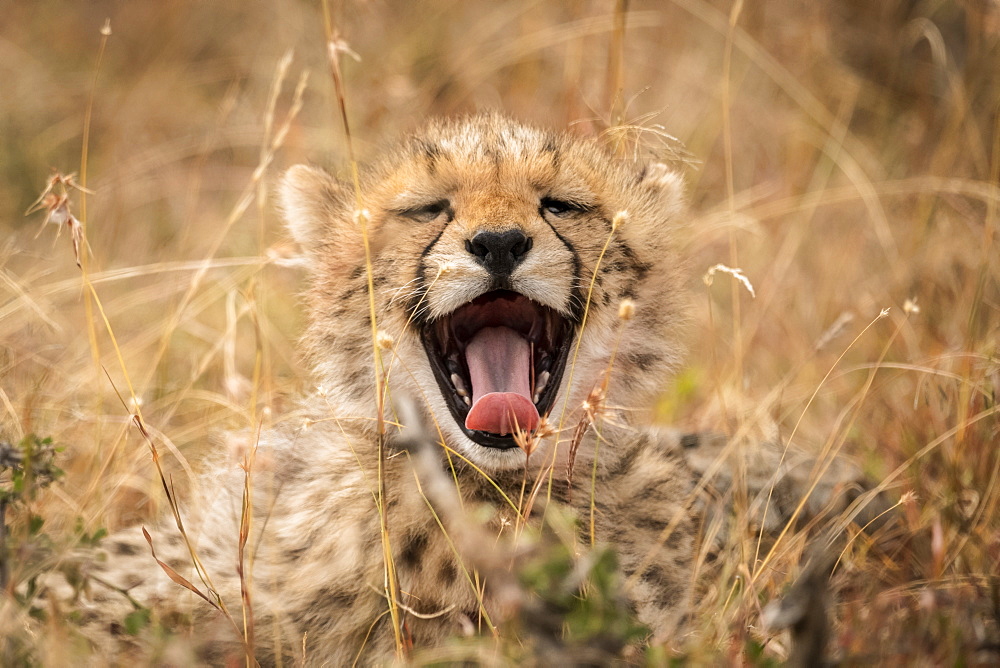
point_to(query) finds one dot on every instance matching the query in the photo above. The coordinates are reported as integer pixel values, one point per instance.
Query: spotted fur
(318, 571)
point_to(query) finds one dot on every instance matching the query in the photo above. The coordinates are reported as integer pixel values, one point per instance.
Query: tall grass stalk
(335, 46)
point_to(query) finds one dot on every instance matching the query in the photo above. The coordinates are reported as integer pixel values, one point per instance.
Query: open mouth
(498, 361)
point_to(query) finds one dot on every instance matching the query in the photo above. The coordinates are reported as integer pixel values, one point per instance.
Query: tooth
(456, 380)
(540, 383)
(536, 397)
(467, 401)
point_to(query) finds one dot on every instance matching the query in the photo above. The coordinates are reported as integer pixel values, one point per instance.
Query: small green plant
(584, 593)
(26, 551)
(25, 468)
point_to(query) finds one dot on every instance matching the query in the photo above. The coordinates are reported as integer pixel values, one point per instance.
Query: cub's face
(499, 258)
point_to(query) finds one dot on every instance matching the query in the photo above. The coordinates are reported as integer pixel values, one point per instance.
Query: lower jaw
(491, 441)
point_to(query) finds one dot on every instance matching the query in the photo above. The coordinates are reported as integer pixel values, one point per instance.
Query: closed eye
(560, 207)
(425, 213)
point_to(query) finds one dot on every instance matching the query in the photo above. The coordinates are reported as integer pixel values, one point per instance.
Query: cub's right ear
(315, 206)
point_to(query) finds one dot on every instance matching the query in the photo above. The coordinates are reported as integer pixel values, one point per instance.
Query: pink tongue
(499, 361)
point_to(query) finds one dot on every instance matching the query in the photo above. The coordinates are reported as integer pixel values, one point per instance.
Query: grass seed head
(528, 441)
(384, 340)
(626, 310)
(736, 273)
(361, 217)
(593, 405)
(620, 218)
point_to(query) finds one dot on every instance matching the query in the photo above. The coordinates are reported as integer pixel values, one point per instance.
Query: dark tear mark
(576, 301)
(420, 289)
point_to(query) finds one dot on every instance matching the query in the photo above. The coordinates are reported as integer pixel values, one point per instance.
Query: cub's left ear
(656, 210)
(315, 206)
(666, 186)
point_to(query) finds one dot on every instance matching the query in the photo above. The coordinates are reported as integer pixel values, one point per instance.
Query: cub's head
(500, 256)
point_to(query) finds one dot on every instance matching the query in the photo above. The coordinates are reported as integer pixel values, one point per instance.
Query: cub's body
(591, 260)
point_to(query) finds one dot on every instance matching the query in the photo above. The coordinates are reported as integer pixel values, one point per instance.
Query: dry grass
(845, 157)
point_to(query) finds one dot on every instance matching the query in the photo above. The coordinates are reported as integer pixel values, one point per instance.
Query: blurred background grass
(863, 175)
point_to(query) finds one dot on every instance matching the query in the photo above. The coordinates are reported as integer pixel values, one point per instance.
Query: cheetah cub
(526, 303)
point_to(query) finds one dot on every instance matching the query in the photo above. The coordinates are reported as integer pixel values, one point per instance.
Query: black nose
(499, 252)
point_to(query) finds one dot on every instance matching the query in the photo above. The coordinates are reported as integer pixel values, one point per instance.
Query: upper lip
(446, 338)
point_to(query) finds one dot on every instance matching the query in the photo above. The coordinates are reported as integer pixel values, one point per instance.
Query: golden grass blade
(174, 575)
(335, 47)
